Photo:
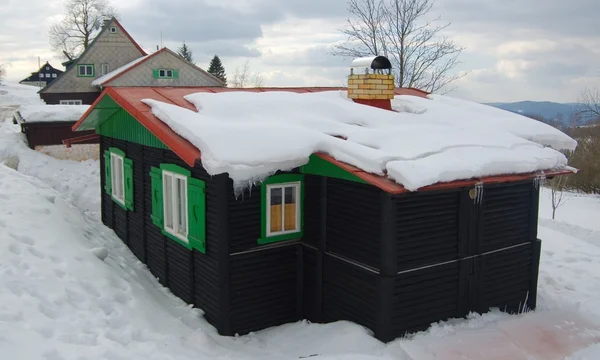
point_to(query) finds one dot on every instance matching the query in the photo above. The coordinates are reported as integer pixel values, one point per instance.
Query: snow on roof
(104, 78)
(252, 135)
(50, 113)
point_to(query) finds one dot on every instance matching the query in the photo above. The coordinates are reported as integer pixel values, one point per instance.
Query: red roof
(129, 98)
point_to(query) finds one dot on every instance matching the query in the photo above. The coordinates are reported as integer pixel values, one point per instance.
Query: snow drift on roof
(104, 78)
(50, 113)
(252, 135)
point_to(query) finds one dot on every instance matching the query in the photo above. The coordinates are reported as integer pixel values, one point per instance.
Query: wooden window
(175, 204)
(282, 206)
(85, 70)
(178, 205)
(41, 75)
(113, 29)
(54, 75)
(47, 75)
(71, 102)
(105, 69)
(118, 177)
(165, 73)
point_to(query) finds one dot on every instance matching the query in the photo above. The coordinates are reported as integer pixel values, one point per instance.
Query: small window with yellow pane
(282, 208)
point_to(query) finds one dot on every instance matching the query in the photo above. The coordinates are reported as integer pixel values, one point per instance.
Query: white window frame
(47, 75)
(113, 29)
(175, 231)
(103, 67)
(71, 102)
(41, 76)
(54, 76)
(117, 177)
(169, 73)
(297, 187)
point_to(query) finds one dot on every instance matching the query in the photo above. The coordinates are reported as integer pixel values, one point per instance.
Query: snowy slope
(72, 290)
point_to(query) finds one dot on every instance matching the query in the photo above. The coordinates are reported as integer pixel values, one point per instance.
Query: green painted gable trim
(109, 119)
(121, 125)
(319, 166)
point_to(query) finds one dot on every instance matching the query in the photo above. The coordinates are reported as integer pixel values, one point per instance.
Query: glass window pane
(169, 73)
(276, 218)
(121, 178)
(168, 205)
(182, 213)
(290, 208)
(81, 70)
(161, 73)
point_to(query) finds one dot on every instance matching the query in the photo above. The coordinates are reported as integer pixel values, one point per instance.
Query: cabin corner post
(383, 323)
(322, 248)
(534, 210)
(535, 270)
(388, 257)
(223, 256)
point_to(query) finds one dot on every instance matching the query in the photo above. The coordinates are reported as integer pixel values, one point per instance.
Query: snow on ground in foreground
(60, 301)
(429, 140)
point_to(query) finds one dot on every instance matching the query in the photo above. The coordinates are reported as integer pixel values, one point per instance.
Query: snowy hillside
(72, 290)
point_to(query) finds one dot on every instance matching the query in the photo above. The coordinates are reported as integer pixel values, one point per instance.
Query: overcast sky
(515, 49)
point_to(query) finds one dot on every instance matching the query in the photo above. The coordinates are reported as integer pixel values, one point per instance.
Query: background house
(44, 76)
(161, 68)
(111, 49)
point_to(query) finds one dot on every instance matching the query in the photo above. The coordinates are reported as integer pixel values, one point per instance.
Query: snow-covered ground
(72, 290)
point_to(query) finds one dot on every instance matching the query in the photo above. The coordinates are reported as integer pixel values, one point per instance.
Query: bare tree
(399, 30)
(81, 23)
(244, 77)
(558, 187)
(589, 101)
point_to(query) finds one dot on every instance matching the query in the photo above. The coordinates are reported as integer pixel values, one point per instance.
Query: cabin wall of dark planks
(190, 275)
(52, 133)
(86, 98)
(265, 280)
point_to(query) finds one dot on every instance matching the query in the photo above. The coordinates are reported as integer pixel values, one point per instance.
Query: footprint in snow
(38, 254)
(15, 249)
(24, 239)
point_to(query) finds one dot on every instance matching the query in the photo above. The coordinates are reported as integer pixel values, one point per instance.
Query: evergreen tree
(186, 53)
(216, 68)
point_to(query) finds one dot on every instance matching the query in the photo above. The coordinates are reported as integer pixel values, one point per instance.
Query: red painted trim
(129, 36)
(70, 141)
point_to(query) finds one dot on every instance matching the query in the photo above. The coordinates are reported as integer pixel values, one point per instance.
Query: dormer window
(113, 29)
(165, 74)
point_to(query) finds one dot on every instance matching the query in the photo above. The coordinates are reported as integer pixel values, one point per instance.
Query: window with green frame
(179, 205)
(118, 183)
(282, 208)
(85, 70)
(165, 73)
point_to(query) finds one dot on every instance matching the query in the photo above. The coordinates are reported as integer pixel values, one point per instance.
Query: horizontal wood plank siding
(506, 212)
(244, 218)
(353, 221)
(180, 265)
(425, 296)
(505, 279)
(349, 293)
(427, 228)
(264, 288)
(106, 203)
(312, 209)
(310, 276)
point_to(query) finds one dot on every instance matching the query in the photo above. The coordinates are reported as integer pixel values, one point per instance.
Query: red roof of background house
(129, 98)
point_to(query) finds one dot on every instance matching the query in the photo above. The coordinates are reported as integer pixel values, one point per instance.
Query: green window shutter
(155, 73)
(197, 214)
(175, 74)
(128, 177)
(157, 197)
(107, 174)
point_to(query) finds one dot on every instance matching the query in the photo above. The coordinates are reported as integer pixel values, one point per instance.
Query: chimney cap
(372, 62)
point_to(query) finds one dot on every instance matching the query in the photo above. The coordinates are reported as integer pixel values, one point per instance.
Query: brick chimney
(373, 87)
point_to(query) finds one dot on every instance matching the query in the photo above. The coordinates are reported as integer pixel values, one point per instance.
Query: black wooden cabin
(394, 262)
